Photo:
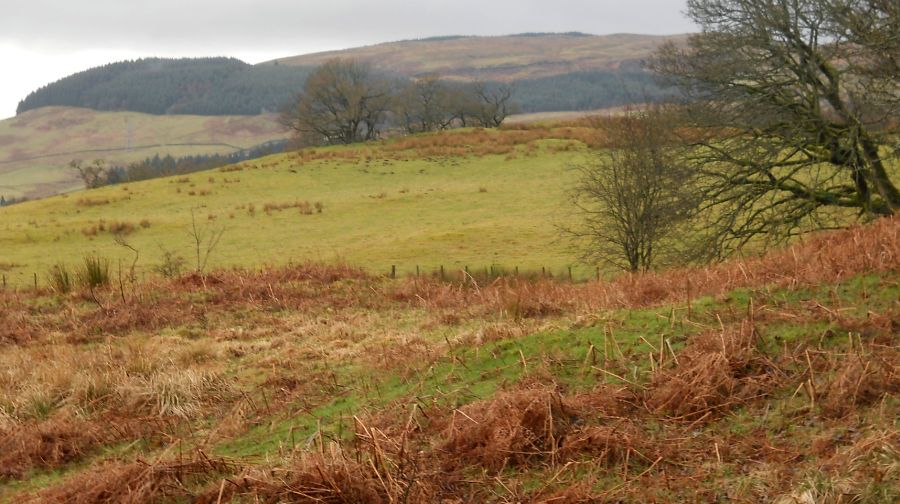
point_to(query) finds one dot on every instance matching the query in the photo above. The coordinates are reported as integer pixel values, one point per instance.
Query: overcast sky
(44, 40)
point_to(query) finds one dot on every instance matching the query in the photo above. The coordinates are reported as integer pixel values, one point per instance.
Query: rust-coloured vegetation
(759, 379)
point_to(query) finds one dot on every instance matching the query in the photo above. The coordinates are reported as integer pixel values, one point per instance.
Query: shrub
(172, 264)
(122, 228)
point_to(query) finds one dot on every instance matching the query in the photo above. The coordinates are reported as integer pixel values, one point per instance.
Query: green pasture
(377, 212)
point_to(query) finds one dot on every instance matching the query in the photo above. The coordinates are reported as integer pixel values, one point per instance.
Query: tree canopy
(790, 112)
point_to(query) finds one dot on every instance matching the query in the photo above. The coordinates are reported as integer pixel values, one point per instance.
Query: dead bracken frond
(512, 428)
(48, 444)
(717, 371)
(138, 482)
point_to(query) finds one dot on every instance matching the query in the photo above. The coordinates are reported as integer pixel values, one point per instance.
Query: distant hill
(502, 58)
(551, 72)
(36, 146)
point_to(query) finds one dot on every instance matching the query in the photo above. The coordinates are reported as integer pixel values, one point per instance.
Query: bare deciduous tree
(91, 174)
(342, 102)
(634, 198)
(425, 104)
(791, 106)
(206, 238)
(491, 104)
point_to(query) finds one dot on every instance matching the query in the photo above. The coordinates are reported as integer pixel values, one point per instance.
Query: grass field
(37, 146)
(467, 198)
(762, 380)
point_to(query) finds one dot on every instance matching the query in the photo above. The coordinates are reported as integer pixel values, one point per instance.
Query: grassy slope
(56, 135)
(314, 360)
(498, 58)
(381, 207)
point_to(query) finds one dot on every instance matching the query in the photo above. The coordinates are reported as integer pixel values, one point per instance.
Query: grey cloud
(220, 27)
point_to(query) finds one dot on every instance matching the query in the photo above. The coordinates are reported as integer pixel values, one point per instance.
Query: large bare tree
(342, 102)
(792, 106)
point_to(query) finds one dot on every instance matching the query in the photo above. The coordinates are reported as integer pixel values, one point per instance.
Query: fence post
(570, 273)
(442, 273)
(393, 271)
(417, 270)
(517, 271)
(4, 281)
(35, 281)
(598, 273)
(543, 271)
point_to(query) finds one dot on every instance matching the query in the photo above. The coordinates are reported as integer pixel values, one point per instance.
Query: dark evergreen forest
(204, 86)
(227, 86)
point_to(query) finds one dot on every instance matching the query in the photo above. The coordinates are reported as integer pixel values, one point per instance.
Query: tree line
(98, 173)
(346, 101)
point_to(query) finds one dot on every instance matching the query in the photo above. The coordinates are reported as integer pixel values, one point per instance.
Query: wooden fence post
(442, 273)
(35, 281)
(393, 271)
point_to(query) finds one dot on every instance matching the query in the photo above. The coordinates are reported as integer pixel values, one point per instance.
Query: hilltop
(36, 146)
(501, 58)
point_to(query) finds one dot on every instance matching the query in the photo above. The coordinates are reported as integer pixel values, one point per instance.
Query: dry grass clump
(512, 428)
(138, 482)
(130, 378)
(304, 207)
(114, 228)
(181, 394)
(90, 202)
(717, 371)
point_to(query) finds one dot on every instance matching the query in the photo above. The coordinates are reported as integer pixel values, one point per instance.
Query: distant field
(36, 146)
(467, 198)
(500, 58)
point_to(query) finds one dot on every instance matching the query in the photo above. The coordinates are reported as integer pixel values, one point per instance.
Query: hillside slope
(770, 379)
(36, 146)
(502, 58)
(465, 197)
